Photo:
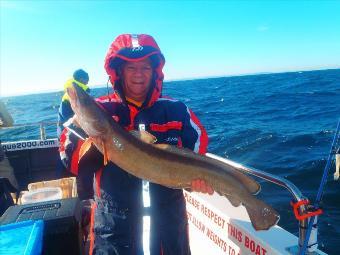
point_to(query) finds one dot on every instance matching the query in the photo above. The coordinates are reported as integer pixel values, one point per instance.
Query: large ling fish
(167, 165)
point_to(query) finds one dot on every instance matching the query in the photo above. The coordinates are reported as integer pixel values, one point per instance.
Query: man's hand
(199, 185)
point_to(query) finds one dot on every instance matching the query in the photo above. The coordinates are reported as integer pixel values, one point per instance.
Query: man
(134, 64)
(81, 78)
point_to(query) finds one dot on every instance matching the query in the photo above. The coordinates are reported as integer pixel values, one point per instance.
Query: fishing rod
(312, 221)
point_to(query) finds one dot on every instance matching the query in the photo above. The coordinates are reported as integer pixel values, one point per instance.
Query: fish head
(91, 117)
(78, 97)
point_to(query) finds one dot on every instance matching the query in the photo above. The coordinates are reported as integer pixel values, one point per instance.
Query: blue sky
(43, 42)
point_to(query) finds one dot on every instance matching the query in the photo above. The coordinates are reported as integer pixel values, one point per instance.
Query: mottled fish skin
(169, 166)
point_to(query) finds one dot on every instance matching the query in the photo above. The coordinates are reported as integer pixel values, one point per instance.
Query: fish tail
(262, 216)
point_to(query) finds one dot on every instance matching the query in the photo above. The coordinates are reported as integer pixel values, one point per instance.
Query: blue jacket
(118, 209)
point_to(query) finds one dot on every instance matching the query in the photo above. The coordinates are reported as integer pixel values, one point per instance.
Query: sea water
(280, 123)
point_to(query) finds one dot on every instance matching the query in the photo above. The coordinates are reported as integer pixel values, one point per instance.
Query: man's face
(137, 78)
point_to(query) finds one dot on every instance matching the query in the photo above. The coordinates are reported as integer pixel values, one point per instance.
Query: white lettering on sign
(27, 145)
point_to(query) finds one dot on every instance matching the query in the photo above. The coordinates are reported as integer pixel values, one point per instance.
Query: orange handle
(299, 216)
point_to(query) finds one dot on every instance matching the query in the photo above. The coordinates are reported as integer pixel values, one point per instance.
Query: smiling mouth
(138, 83)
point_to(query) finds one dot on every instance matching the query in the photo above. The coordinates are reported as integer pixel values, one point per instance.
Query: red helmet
(132, 47)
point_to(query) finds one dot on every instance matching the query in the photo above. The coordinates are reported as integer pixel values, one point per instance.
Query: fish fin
(163, 146)
(85, 148)
(144, 136)
(105, 154)
(234, 201)
(87, 145)
(262, 216)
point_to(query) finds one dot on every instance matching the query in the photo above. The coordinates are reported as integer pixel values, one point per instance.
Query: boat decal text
(31, 144)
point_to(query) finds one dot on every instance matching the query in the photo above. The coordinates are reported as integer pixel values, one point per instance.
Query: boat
(214, 224)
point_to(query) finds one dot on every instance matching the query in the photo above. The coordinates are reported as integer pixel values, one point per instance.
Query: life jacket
(68, 84)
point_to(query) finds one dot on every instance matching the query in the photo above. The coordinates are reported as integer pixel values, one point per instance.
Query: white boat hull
(217, 227)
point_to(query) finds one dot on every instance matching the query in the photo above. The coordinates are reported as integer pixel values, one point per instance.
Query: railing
(296, 193)
(42, 124)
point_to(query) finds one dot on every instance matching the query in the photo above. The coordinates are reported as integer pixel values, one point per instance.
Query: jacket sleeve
(194, 135)
(83, 168)
(69, 149)
(64, 113)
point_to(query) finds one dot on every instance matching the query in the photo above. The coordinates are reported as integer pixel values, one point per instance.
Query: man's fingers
(199, 185)
(203, 186)
(210, 190)
(194, 185)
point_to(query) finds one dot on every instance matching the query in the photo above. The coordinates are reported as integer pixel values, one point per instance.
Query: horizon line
(180, 79)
